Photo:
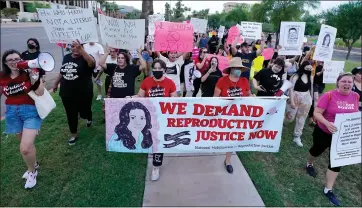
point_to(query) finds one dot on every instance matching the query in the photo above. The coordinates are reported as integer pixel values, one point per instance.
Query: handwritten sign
(182, 125)
(152, 19)
(172, 36)
(291, 38)
(346, 142)
(223, 61)
(122, 33)
(324, 47)
(233, 33)
(268, 53)
(200, 25)
(221, 31)
(251, 30)
(67, 25)
(332, 69)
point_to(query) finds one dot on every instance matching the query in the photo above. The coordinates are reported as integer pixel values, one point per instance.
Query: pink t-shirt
(335, 103)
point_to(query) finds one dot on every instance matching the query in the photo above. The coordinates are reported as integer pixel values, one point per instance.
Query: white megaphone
(44, 61)
(196, 74)
(286, 85)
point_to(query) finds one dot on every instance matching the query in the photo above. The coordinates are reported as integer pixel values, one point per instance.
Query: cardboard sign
(332, 69)
(251, 30)
(200, 25)
(233, 33)
(325, 43)
(291, 38)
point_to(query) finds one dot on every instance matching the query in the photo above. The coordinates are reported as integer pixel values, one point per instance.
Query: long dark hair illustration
(325, 40)
(125, 135)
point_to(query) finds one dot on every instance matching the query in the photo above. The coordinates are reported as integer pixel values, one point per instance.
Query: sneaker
(332, 198)
(71, 141)
(31, 180)
(298, 141)
(36, 166)
(99, 97)
(229, 168)
(89, 123)
(155, 173)
(310, 170)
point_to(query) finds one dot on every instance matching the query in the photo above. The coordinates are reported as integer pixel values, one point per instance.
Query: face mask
(30, 46)
(157, 74)
(236, 72)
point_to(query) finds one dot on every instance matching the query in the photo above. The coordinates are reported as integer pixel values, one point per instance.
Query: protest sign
(291, 38)
(251, 30)
(268, 53)
(324, 47)
(172, 36)
(67, 25)
(223, 61)
(346, 142)
(195, 53)
(221, 31)
(151, 24)
(200, 25)
(332, 69)
(232, 34)
(188, 73)
(122, 33)
(182, 125)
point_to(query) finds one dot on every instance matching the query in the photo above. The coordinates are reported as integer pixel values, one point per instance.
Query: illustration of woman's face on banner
(137, 120)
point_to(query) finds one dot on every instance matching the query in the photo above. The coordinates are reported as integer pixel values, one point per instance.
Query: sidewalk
(20, 24)
(200, 180)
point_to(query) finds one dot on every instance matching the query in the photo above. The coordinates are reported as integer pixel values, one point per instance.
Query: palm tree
(147, 9)
(101, 3)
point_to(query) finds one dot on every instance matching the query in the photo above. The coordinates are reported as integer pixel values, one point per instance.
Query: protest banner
(223, 61)
(268, 53)
(221, 31)
(122, 33)
(67, 25)
(324, 47)
(152, 19)
(291, 38)
(332, 69)
(172, 36)
(200, 25)
(189, 75)
(251, 30)
(232, 34)
(183, 125)
(346, 142)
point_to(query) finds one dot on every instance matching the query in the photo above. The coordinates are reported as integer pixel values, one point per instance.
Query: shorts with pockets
(19, 117)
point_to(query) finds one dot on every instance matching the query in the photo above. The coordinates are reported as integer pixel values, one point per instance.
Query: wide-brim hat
(235, 62)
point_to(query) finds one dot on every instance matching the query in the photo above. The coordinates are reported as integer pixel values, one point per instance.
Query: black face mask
(30, 46)
(157, 74)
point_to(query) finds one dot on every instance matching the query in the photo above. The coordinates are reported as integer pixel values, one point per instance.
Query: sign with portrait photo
(325, 43)
(291, 38)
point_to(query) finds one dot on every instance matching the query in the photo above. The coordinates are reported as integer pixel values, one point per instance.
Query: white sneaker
(155, 173)
(25, 176)
(31, 180)
(99, 97)
(298, 141)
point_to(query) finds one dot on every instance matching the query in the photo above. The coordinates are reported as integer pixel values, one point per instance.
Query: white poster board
(220, 32)
(332, 69)
(251, 30)
(346, 142)
(151, 25)
(67, 25)
(325, 43)
(200, 25)
(122, 33)
(291, 38)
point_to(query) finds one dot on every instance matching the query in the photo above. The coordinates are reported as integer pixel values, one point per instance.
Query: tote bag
(44, 104)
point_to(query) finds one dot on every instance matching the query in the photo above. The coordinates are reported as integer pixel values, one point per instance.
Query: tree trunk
(277, 35)
(147, 9)
(349, 51)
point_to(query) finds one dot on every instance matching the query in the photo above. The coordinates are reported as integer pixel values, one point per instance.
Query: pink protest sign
(233, 33)
(268, 53)
(223, 61)
(195, 53)
(172, 36)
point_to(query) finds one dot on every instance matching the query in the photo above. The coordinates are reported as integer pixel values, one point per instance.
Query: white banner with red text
(191, 125)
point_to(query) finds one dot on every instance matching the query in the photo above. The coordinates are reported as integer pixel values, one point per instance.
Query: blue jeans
(19, 117)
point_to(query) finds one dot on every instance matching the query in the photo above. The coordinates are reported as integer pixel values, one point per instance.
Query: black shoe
(89, 123)
(229, 168)
(311, 171)
(72, 140)
(332, 198)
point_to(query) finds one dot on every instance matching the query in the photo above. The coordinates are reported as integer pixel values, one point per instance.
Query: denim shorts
(19, 117)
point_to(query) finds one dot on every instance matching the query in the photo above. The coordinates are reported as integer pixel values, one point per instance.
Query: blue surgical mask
(236, 72)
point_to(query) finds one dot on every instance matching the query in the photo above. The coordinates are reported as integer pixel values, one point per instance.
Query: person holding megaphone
(21, 115)
(76, 87)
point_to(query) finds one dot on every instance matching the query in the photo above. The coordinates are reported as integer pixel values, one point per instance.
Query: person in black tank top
(300, 100)
(357, 84)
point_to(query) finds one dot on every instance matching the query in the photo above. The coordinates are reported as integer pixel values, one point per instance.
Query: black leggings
(77, 106)
(157, 159)
(107, 82)
(197, 84)
(322, 141)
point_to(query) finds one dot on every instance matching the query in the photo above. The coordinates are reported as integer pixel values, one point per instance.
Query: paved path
(200, 180)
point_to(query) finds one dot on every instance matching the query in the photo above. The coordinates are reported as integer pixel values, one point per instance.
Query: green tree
(178, 11)
(348, 21)
(237, 14)
(136, 14)
(101, 3)
(10, 13)
(202, 14)
(168, 12)
(217, 19)
(312, 24)
(32, 6)
(257, 13)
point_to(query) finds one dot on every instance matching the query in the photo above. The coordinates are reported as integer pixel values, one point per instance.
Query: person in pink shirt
(340, 100)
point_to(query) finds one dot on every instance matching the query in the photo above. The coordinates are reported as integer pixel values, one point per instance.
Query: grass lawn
(281, 180)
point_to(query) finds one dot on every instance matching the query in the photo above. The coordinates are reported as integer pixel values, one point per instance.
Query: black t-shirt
(318, 79)
(247, 59)
(76, 78)
(213, 42)
(271, 81)
(110, 68)
(26, 55)
(208, 87)
(123, 81)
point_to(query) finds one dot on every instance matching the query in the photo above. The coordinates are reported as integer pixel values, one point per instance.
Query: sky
(159, 6)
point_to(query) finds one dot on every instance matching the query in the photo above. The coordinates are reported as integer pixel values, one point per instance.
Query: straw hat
(235, 63)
